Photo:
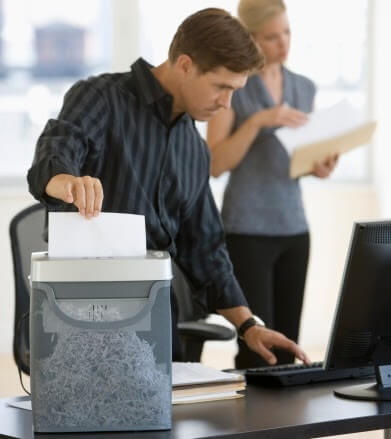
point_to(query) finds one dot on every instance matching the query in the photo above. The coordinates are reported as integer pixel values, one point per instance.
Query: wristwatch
(247, 324)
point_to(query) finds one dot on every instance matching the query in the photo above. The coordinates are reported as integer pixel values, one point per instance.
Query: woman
(263, 214)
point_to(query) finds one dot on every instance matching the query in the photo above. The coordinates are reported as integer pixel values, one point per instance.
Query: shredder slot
(101, 290)
(109, 310)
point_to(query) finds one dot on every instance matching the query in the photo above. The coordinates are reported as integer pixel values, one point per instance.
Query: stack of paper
(191, 382)
(194, 382)
(330, 131)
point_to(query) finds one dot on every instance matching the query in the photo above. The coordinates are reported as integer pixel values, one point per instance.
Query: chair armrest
(202, 331)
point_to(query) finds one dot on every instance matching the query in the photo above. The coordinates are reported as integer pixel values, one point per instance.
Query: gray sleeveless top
(261, 198)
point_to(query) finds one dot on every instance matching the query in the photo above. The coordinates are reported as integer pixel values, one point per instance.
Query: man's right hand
(86, 193)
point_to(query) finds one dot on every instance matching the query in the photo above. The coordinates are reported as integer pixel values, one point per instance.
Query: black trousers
(272, 272)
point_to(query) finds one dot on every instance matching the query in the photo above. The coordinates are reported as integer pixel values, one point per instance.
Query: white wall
(331, 209)
(126, 34)
(381, 60)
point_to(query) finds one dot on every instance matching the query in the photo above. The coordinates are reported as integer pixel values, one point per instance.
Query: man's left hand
(262, 340)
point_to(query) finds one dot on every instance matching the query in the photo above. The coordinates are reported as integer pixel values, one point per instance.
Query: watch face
(259, 321)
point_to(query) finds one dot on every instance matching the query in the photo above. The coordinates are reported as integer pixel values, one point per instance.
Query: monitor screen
(361, 333)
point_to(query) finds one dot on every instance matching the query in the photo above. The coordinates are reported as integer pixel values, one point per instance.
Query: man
(127, 142)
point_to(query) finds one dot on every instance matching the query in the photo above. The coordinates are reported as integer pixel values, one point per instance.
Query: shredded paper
(96, 379)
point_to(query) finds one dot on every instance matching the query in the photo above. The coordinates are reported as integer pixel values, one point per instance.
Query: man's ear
(185, 65)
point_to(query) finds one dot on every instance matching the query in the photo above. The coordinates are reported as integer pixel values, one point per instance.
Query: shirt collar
(149, 88)
(150, 91)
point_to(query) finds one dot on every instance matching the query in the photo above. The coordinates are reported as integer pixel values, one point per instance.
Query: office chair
(194, 332)
(26, 233)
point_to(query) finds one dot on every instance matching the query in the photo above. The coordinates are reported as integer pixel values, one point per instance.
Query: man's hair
(214, 38)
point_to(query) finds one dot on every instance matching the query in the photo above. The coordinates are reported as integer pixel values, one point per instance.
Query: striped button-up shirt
(116, 127)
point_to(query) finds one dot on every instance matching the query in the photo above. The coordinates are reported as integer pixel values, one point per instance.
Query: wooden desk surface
(297, 412)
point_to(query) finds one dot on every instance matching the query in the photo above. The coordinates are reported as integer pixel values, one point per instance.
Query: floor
(215, 354)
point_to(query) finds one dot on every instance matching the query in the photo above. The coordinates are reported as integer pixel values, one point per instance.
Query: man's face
(203, 94)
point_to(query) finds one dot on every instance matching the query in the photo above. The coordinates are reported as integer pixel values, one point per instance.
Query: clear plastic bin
(101, 349)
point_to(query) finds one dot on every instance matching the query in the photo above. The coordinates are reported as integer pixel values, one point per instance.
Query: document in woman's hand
(330, 131)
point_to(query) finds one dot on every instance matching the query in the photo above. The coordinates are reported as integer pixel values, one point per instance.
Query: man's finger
(283, 342)
(80, 195)
(68, 197)
(98, 197)
(266, 354)
(90, 196)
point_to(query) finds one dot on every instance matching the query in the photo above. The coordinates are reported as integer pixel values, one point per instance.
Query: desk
(300, 412)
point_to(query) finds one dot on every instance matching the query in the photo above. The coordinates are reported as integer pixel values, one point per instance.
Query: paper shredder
(100, 340)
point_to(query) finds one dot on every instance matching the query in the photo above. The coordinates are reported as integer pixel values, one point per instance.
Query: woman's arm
(227, 150)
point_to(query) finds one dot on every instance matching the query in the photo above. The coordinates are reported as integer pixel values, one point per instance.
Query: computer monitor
(361, 333)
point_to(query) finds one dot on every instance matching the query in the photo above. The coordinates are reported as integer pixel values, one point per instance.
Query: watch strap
(247, 324)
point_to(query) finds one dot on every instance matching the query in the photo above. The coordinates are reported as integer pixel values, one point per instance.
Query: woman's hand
(281, 115)
(325, 168)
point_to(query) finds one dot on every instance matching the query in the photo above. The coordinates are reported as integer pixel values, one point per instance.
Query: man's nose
(225, 99)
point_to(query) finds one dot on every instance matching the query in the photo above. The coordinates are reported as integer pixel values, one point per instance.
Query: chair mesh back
(183, 294)
(189, 309)
(26, 233)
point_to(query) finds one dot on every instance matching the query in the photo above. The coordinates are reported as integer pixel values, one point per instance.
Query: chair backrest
(27, 236)
(194, 330)
(187, 310)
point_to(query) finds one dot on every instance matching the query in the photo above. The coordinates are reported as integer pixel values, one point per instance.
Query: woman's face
(274, 38)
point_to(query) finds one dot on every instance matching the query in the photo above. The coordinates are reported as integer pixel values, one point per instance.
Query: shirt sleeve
(203, 256)
(66, 142)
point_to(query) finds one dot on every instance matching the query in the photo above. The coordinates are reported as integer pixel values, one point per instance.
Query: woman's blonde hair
(254, 13)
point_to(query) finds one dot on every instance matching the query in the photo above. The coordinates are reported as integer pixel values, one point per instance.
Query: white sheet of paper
(107, 235)
(25, 405)
(322, 124)
(197, 373)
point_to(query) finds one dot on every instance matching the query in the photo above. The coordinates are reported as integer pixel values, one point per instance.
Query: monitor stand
(378, 391)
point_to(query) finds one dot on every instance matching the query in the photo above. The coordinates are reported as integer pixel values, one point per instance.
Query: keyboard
(294, 374)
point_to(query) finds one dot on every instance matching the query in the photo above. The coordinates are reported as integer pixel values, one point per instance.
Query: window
(45, 46)
(330, 46)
